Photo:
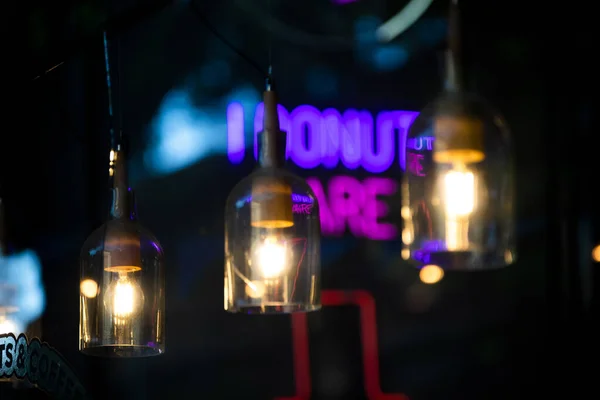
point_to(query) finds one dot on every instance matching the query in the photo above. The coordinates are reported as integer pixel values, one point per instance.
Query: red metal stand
(370, 349)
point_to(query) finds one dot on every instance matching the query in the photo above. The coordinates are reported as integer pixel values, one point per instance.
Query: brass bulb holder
(458, 139)
(271, 203)
(122, 253)
(271, 196)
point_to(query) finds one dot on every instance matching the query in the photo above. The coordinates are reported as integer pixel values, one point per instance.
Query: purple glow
(422, 143)
(346, 198)
(305, 146)
(235, 133)
(414, 163)
(296, 199)
(325, 138)
(349, 131)
(380, 160)
(356, 139)
(305, 209)
(355, 205)
(431, 246)
(327, 221)
(330, 138)
(374, 208)
(399, 121)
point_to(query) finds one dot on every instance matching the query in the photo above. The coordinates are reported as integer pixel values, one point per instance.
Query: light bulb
(272, 253)
(459, 180)
(124, 298)
(271, 257)
(459, 203)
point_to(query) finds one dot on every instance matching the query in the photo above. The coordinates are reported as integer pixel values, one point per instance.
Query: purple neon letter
(327, 222)
(306, 141)
(326, 138)
(331, 124)
(355, 205)
(374, 208)
(379, 160)
(350, 139)
(346, 198)
(400, 120)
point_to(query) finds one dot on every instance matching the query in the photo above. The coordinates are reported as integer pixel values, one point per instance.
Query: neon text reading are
(356, 206)
(326, 138)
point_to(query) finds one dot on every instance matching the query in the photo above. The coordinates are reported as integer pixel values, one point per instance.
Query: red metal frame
(370, 347)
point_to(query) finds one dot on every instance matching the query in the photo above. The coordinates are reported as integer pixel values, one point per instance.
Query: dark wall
(486, 335)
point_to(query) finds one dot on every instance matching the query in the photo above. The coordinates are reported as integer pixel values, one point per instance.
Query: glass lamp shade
(457, 192)
(272, 245)
(122, 302)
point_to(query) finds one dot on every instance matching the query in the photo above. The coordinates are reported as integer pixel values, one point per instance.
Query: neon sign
(355, 206)
(352, 138)
(326, 138)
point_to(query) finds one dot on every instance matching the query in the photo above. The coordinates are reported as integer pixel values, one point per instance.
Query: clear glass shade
(457, 192)
(272, 245)
(122, 292)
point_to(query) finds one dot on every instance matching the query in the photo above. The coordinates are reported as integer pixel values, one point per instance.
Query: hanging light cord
(453, 56)
(201, 17)
(117, 25)
(109, 89)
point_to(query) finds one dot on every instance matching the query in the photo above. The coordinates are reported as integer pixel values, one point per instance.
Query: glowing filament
(459, 202)
(272, 258)
(124, 298)
(459, 193)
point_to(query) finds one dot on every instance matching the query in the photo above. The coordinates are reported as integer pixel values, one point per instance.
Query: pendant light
(457, 192)
(122, 288)
(272, 232)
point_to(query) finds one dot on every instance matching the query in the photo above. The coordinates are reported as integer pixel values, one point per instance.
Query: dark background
(522, 332)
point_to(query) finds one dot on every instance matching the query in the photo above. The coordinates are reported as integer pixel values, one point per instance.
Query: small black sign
(41, 365)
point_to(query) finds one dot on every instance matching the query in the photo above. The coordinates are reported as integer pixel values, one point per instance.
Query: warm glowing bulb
(271, 257)
(431, 274)
(459, 202)
(459, 192)
(7, 326)
(124, 298)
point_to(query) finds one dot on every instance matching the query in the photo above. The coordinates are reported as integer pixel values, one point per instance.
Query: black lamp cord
(210, 27)
(201, 17)
(111, 119)
(453, 72)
